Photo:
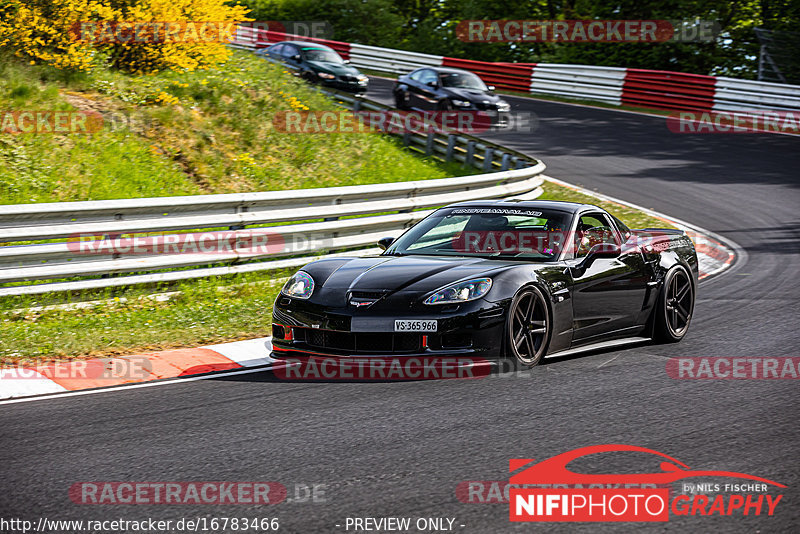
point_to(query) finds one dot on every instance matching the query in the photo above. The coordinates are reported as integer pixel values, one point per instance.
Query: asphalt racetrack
(402, 448)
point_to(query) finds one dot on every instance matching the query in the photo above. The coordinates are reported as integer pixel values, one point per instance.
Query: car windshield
(320, 54)
(488, 232)
(463, 80)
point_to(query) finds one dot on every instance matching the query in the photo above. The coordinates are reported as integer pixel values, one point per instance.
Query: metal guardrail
(614, 85)
(273, 226)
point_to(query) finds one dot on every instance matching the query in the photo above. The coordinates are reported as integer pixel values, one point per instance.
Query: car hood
(338, 69)
(390, 274)
(471, 95)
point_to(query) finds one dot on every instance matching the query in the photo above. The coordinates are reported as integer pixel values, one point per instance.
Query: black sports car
(498, 279)
(317, 63)
(445, 89)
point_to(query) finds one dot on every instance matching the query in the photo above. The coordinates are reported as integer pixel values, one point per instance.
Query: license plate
(411, 325)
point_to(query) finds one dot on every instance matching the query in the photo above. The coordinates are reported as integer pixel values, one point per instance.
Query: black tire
(674, 307)
(444, 105)
(527, 331)
(401, 100)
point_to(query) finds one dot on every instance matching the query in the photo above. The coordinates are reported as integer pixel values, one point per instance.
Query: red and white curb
(77, 375)
(715, 253)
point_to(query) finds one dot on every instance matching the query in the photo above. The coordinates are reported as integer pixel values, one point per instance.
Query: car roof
(447, 70)
(556, 205)
(305, 43)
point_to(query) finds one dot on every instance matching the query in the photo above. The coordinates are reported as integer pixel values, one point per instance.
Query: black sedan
(443, 89)
(317, 63)
(499, 279)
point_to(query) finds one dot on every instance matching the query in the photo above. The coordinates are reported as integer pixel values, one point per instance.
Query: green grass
(185, 133)
(201, 313)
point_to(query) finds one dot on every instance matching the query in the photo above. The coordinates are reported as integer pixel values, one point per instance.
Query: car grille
(365, 298)
(358, 342)
(349, 79)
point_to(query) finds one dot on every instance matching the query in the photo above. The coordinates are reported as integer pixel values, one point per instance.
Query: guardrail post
(357, 105)
(451, 145)
(488, 155)
(469, 159)
(429, 142)
(505, 161)
(406, 138)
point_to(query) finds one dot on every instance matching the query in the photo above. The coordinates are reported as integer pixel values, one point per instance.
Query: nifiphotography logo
(549, 491)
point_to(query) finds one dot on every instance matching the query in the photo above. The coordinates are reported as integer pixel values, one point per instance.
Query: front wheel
(527, 328)
(401, 100)
(675, 306)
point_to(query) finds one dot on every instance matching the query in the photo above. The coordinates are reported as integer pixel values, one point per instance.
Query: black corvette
(498, 279)
(446, 89)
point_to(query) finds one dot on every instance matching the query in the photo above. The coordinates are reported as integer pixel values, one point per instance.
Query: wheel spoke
(531, 306)
(682, 293)
(682, 313)
(539, 331)
(531, 346)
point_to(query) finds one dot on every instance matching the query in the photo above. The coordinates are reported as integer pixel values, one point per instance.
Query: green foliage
(429, 26)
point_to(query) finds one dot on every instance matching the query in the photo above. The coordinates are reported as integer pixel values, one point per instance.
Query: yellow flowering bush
(51, 32)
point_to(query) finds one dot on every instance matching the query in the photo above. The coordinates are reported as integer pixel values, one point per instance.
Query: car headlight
(326, 76)
(299, 286)
(461, 103)
(461, 292)
(503, 106)
(362, 78)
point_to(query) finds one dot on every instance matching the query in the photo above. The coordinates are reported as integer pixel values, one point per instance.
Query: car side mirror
(346, 61)
(385, 242)
(491, 88)
(433, 85)
(296, 57)
(600, 250)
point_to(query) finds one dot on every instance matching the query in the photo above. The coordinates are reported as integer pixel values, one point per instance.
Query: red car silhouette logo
(554, 470)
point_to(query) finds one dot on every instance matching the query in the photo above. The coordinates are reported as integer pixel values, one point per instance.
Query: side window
(275, 50)
(593, 229)
(427, 76)
(623, 228)
(415, 75)
(289, 51)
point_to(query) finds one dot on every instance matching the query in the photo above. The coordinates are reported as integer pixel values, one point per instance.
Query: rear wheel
(675, 306)
(528, 328)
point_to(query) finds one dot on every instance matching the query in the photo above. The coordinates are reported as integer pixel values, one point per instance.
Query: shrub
(45, 31)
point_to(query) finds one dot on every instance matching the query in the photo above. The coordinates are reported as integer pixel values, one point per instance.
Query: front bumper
(350, 87)
(303, 328)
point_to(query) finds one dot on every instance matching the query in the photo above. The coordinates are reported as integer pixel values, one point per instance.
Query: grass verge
(184, 133)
